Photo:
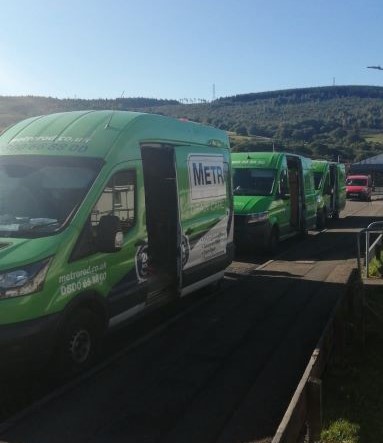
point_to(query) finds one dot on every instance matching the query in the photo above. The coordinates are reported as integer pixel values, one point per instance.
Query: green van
(104, 215)
(274, 198)
(330, 187)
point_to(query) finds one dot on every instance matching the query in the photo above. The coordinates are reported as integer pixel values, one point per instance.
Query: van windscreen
(253, 181)
(39, 194)
(356, 182)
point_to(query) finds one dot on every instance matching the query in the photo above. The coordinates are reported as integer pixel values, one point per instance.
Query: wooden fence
(303, 418)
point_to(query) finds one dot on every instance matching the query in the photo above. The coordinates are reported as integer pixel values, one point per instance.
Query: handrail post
(372, 227)
(358, 252)
(367, 251)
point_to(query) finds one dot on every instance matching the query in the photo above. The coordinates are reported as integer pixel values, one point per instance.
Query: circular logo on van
(142, 262)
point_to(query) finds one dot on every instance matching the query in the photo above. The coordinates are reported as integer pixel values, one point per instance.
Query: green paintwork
(102, 134)
(330, 192)
(275, 209)
(115, 137)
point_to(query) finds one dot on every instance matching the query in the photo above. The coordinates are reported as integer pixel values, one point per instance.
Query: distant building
(371, 166)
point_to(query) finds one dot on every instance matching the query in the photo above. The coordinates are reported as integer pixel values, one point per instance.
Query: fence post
(339, 337)
(314, 408)
(359, 253)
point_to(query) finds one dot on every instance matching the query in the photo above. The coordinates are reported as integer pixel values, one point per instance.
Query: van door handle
(140, 242)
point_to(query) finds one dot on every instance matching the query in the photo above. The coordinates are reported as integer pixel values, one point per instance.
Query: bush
(341, 431)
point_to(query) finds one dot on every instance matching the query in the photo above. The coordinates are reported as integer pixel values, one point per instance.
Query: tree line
(335, 122)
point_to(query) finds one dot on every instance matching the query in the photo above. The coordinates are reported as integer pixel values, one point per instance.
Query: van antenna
(113, 111)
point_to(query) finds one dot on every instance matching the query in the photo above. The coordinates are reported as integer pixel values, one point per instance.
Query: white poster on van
(207, 247)
(206, 177)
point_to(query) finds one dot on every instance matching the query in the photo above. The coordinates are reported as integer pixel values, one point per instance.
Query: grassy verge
(353, 391)
(374, 137)
(376, 267)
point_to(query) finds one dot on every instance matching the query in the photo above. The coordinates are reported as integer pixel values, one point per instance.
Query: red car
(359, 186)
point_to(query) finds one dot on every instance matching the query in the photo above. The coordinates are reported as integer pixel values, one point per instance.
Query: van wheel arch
(79, 335)
(91, 301)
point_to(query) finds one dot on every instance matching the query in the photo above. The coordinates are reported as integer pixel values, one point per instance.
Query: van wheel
(304, 232)
(272, 243)
(321, 219)
(79, 340)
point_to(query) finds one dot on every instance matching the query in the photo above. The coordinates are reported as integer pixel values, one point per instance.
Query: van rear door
(205, 211)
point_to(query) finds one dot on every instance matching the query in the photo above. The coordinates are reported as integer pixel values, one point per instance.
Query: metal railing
(370, 250)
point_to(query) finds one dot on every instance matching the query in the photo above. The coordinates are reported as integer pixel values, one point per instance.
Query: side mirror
(109, 234)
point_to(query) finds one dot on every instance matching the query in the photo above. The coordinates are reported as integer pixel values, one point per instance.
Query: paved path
(225, 371)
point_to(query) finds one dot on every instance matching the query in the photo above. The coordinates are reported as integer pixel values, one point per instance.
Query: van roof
(358, 176)
(94, 133)
(269, 160)
(319, 165)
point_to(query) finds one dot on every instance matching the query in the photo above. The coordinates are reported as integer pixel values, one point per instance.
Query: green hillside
(333, 122)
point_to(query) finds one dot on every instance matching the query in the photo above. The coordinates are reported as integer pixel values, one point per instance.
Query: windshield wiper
(34, 227)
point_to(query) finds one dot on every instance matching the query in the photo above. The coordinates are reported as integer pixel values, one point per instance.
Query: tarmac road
(225, 371)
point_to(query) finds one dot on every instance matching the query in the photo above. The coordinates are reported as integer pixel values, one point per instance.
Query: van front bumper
(28, 341)
(251, 235)
(361, 195)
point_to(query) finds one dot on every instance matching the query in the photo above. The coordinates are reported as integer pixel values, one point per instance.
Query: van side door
(309, 196)
(341, 188)
(121, 275)
(282, 202)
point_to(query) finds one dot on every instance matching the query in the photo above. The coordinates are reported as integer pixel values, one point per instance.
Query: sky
(176, 49)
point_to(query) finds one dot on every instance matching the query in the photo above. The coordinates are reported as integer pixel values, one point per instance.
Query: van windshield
(356, 182)
(253, 181)
(39, 194)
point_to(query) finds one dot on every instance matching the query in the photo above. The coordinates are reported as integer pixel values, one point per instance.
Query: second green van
(274, 198)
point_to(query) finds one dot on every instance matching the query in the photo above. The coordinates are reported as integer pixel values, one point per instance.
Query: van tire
(304, 232)
(321, 219)
(272, 242)
(78, 343)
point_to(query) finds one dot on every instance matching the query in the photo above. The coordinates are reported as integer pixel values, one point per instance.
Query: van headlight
(257, 217)
(23, 280)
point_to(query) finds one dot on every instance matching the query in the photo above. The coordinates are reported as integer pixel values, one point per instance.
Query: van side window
(308, 181)
(118, 198)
